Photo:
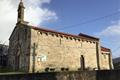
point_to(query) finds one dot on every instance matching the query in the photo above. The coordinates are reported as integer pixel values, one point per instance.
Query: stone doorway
(82, 62)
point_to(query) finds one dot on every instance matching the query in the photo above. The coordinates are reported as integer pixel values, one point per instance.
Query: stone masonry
(37, 49)
(33, 49)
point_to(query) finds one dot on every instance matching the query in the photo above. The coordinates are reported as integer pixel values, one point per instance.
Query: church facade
(33, 49)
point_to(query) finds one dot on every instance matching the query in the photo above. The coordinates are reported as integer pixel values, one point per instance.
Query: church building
(35, 49)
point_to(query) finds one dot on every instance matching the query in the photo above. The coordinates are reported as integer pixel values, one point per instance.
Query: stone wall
(108, 75)
(91, 75)
(106, 58)
(34, 50)
(57, 51)
(19, 48)
(50, 76)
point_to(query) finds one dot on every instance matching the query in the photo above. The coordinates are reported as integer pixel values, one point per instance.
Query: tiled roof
(85, 35)
(49, 30)
(105, 49)
(81, 35)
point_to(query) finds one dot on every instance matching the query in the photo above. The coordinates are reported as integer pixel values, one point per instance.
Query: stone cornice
(82, 37)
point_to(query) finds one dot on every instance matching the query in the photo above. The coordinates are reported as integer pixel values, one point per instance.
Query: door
(82, 62)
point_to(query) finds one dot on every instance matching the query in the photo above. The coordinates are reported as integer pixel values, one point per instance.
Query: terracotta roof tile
(81, 35)
(105, 49)
(85, 35)
(48, 30)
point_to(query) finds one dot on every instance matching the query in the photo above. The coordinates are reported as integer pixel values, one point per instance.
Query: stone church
(35, 49)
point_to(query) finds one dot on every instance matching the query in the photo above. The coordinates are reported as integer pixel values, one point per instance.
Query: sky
(100, 18)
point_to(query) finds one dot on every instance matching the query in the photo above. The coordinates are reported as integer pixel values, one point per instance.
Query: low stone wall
(108, 75)
(86, 75)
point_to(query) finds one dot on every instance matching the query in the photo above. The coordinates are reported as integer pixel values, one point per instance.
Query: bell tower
(21, 8)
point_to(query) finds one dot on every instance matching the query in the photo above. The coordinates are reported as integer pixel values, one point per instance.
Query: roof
(85, 35)
(81, 35)
(53, 31)
(105, 49)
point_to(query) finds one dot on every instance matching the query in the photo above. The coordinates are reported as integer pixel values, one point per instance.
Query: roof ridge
(63, 33)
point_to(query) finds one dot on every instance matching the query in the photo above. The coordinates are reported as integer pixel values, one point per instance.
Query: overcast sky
(99, 18)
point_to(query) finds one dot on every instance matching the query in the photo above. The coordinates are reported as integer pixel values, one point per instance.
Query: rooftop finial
(21, 13)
